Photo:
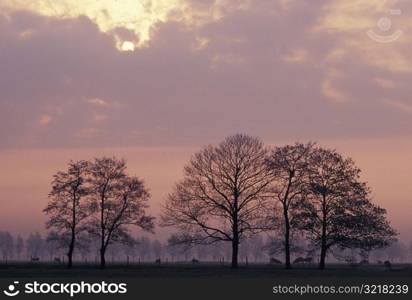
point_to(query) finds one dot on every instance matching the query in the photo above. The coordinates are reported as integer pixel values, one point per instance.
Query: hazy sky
(154, 80)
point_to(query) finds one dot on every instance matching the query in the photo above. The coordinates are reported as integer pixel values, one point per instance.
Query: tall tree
(66, 208)
(289, 164)
(53, 243)
(157, 249)
(19, 246)
(223, 196)
(116, 201)
(6, 245)
(256, 245)
(34, 245)
(337, 210)
(143, 248)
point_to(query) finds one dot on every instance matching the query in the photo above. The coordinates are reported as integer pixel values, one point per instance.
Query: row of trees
(17, 248)
(240, 188)
(257, 249)
(50, 248)
(229, 193)
(99, 198)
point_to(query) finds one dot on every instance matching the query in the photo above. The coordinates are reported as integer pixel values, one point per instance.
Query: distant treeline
(309, 199)
(256, 249)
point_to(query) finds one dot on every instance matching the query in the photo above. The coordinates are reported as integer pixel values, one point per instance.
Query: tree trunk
(323, 247)
(70, 255)
(235, 250)
(71, 250)
(235, 240)
(102, 258)
(322, 257)
(102, 237)
(287, 239)
(235, 232)
(73, 233)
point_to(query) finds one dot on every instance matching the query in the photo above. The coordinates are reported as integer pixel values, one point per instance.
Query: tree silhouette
(34, 245)
(143, 248)
(115, 202)
(53, 244)
(223, 196)
(6, 244)
(19, 246)
(157, 249)
(289, 164)
(337, 210)
(66, 208)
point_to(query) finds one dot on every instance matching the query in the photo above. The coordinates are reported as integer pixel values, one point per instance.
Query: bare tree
(410, 251)
(19, 246)
(66, 208)
(223, 196)
(337, 210)
(202, 251)
(289, 164)
(157, 249)
(143, 248)
(298, 245)
(53, 244)
(116, 201)
(34, 245)
(256, 247)
(130, 250)
(6, 244)
(245, 249)
(83, 245)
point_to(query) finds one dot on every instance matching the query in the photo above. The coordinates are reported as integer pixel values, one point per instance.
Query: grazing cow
(301, 260)
(298, 260)
(158, 261)
(33, 259)
(57, 260)
(275, 261)
(195, 261)
(387, 264)
(308, 260)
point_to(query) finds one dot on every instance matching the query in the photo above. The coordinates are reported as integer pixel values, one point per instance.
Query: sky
(155, 80)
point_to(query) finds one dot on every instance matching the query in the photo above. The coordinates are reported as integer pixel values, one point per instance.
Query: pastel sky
(154, 80)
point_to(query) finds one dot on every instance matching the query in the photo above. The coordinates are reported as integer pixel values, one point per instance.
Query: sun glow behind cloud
(131, 21)
(128, 46)
(137, 17)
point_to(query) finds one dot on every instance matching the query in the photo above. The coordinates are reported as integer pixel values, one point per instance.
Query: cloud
(130, 22)
(329, 91)
(87, 133)
(404, 107)
(98, 102)
(136, 16)
(99, 117)
(45, 119)
(277, 69)
(385, 83)
(296, 56)
(350, 23)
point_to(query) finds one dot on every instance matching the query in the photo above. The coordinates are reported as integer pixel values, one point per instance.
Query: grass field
(212, 281)
(27, 270)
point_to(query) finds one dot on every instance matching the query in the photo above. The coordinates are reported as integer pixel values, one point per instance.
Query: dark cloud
(258, 70)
